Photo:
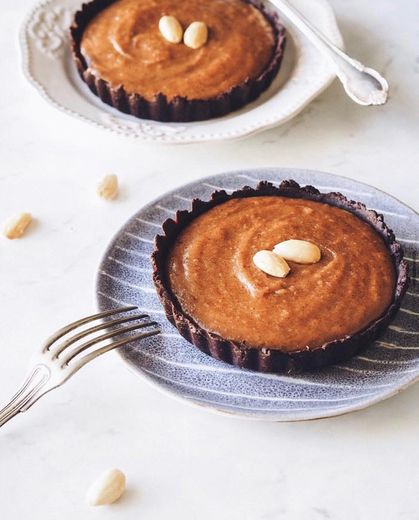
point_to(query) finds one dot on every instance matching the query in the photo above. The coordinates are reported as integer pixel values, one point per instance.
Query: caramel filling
(123, 46)
(211, 273)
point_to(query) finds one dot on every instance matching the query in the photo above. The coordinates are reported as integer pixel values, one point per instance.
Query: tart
(121, 55)
(319, 314)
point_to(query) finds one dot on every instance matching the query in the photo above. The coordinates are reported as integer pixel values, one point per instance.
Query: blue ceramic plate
(172, 364)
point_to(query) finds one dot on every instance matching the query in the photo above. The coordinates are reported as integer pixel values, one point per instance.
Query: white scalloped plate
(48, 66)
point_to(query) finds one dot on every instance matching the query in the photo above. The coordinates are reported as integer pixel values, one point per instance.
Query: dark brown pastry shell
(265, 359)
(179, 109)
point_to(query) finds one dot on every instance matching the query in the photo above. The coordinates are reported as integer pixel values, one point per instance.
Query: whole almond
(170, 29)
(107, 488)
(16, 226)
(270, 263)
(108, 187)
(196, 35)
(298, 251)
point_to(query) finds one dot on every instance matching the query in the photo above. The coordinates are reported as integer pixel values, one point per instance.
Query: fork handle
(316, 37)
(30, 387)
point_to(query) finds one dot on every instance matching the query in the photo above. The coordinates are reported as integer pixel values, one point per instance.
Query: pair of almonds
(274, 262)
(195, 36)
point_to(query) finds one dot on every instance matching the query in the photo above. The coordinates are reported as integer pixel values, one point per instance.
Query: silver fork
(57, 361)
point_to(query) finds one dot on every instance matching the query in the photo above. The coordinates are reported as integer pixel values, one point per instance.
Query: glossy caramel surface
(212, 274)
(123, 46)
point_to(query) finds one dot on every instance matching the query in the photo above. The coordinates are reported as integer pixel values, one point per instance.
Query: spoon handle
(364, 85)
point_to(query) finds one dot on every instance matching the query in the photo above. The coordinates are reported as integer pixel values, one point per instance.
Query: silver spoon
(362, 84)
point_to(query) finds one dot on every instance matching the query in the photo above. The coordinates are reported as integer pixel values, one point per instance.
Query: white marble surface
(182, 462)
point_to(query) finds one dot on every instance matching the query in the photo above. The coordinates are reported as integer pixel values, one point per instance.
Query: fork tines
(56, 362)
(62, 351)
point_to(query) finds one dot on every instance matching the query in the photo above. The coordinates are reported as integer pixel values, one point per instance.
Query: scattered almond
(170, 29)
(107, 488)
(16, 226)
(196, 35)
(299, 251)
(270, 263)
(108, 187)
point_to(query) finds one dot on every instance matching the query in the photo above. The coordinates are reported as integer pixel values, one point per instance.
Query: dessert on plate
(144, 57)
(279, 279)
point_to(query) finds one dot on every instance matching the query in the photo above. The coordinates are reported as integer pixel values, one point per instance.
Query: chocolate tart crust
(179, 109)
(265, 359)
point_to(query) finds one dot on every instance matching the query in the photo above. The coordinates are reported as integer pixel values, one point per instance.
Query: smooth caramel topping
(123, 45)
(212, 273)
